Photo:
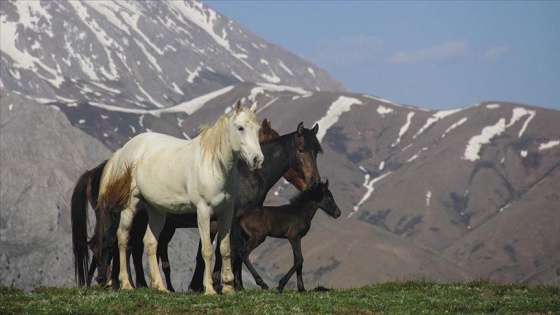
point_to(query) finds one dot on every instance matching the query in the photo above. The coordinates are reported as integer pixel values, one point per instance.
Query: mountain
(450, 195)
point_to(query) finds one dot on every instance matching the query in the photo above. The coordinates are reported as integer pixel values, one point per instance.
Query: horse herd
(217, 182)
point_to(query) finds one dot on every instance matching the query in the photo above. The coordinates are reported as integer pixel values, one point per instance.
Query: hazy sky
(430, 54)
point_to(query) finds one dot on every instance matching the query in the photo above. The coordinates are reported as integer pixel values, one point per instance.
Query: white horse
(164, 174)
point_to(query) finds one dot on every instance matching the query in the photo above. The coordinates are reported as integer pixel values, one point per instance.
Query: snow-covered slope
(137, 54)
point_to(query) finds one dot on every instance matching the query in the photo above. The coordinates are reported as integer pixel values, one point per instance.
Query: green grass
(409, 297)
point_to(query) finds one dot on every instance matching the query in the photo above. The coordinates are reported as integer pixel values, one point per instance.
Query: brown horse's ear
(238, 106)
(266, 125)
(315, 128)
(300, 128)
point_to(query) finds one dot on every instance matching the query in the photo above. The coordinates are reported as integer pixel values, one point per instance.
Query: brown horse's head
(307, 147)
(307, 155)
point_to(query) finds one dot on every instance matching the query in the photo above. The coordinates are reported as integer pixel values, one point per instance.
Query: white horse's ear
(254, 106)
(238, 106)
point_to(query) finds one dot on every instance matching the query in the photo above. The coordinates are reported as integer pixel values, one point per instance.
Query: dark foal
(291, 221)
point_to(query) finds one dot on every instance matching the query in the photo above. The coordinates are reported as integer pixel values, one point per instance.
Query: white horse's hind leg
(203, 217)
(224, 227)
(123, 235)
(155, 225)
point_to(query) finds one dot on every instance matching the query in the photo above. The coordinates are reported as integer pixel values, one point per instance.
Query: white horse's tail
(114, 194)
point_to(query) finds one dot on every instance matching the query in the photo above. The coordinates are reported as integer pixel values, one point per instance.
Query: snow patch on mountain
(338, 107)
(368, 184)
(472, 151)
(428, 197)
(475, 143)
(187, 107)
(455, 125)
(404, 128)
(382, 110)
(549, 145)
(203, 18)
(435, 118)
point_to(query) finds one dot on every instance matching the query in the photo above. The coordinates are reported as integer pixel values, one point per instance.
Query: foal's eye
(240, 128)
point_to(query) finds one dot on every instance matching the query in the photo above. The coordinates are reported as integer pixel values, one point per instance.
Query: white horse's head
(245, 135)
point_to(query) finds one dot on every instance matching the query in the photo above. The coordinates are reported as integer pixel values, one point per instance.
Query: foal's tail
(85, 189)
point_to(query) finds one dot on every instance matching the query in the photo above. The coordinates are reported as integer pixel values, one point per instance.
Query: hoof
(163, 289)
(228, 289)
(210, 292)
(126, 287)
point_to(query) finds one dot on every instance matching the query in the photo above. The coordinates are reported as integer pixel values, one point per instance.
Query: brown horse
(291, 221)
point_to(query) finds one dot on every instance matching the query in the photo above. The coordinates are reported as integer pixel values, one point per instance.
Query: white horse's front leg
(224, 227)
(203, 217)
(123, 235)
(155, 225)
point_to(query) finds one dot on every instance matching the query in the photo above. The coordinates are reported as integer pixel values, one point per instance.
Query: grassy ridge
(410, 297)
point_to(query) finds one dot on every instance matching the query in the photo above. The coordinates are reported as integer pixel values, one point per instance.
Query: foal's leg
(155, 225)
(298, 265)
(203, 217)
(253, 242)
(224, 227)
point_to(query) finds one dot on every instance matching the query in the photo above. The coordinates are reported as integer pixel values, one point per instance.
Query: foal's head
(327, 202)
(321, 194)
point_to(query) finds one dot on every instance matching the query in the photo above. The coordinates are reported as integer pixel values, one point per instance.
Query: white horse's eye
(240, 128)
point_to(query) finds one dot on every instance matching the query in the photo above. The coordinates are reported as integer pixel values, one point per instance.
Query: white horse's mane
(212, 137)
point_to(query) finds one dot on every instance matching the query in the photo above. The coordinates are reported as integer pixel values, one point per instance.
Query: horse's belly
(176, 207)
(170, 204)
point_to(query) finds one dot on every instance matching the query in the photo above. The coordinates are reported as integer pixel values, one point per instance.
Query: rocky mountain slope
(460, 194)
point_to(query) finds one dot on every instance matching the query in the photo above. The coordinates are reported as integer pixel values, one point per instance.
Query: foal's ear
(238, 106)
(315, 128)
(327, 184)
(300, 128)
(254, 106)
